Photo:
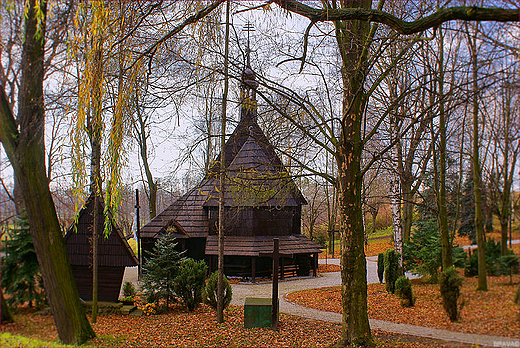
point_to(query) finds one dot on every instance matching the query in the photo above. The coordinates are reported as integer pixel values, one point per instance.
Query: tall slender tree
(477, 171)
(222, 176)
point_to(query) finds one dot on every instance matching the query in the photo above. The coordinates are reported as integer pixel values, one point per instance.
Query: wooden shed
(261, 202)
(114, 254)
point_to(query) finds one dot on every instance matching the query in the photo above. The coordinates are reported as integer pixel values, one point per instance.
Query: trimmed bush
(391, 270)
(128, 289)
(190, 282)
(380, 266)
(403, 290)
(450, 283)
(210, 293)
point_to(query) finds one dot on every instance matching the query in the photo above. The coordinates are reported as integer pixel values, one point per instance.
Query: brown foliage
(199, 328)
(485, 312)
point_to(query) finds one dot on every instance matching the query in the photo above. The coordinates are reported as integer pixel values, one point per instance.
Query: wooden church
(261, 202)
(114, 254)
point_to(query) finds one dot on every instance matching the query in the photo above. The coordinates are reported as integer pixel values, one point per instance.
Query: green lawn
(9, 340)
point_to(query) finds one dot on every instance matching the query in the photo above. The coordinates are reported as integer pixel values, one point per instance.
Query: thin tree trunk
(442, 217)
(26, 153)
(395, 182)
(482, 276)
(7, 317)
(395, 192)
(143, 150)
(408, 205)
(222, 177)
(396, 157)
(505, 213)
(95, 127)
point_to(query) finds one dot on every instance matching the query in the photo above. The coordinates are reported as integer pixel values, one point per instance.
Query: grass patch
(10, 340)
(384, 232)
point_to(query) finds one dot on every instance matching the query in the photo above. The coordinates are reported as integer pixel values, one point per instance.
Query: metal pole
(274, 304)
(138, 234)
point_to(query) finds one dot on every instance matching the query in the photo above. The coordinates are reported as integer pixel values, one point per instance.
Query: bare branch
(190, 20)
(466, 13)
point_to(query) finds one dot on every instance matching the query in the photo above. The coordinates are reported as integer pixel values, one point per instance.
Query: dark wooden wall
(109, 282)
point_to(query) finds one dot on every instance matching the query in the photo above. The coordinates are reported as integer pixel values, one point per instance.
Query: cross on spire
(248, 27)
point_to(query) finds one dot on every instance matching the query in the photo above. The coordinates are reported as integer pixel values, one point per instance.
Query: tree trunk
(7, 317)
(395, 184)
(505, 213)
(396, 157)
(482, 280)
(395, 192)
(442, 217)
(356, 328)
(26, 153)
(222, 177)
(407, 216)
(95, 127)
(352, 37)
(143, 147)
(17, 195)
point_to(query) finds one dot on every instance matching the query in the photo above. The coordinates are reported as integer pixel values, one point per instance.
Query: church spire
(248, 84)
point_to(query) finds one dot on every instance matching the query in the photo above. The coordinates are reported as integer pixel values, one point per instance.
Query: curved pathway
(243, 290)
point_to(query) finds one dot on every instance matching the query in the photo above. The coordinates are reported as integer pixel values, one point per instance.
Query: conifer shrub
(391, 270)
(380, 266)
(190, 281)
(496, 264)
(128, 289)
(403, 290)
(21, 278)
(422, 254)
(210, 292)
(450, 283)
(160, 270)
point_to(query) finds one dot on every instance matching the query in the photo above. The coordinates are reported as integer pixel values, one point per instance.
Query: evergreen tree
(160, 270)
(21, 276)
(190, 281)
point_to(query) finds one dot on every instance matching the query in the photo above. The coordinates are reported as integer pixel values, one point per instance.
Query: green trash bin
(257, 312)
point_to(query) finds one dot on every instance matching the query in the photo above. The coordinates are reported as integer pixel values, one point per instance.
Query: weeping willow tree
(104, 35)
(98, 25)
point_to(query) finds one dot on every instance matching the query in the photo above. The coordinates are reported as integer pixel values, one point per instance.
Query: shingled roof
(112, 251)
(256, 177)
